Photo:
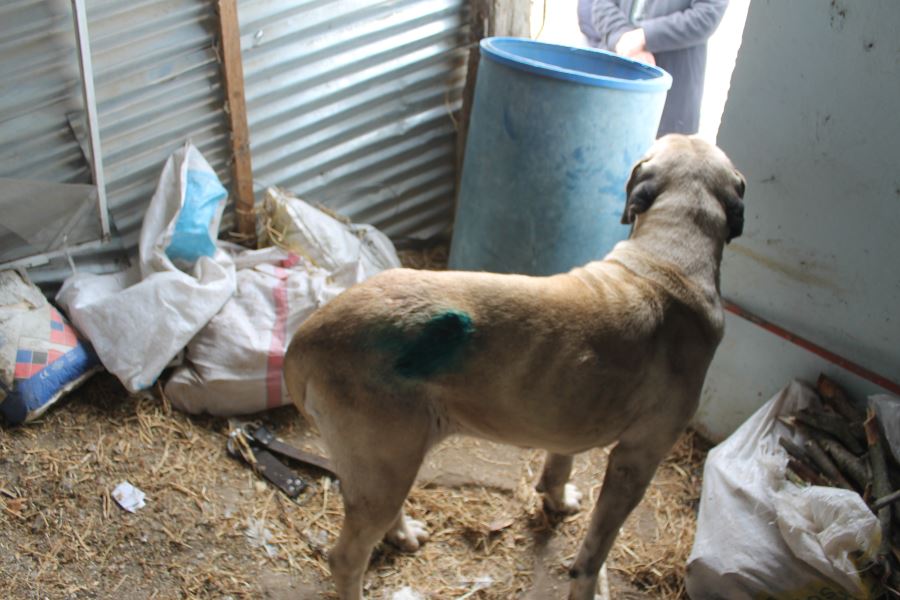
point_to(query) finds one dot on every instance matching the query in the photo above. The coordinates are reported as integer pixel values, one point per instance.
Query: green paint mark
(438, 347)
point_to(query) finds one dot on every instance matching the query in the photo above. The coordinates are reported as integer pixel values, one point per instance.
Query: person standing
(671, 34)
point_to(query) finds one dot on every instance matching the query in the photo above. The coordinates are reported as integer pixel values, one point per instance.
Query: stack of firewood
(845, 448)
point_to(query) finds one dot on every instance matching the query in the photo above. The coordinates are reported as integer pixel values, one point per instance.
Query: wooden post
(488, 18)
(510, 17)
(478, 23)
(233, 71)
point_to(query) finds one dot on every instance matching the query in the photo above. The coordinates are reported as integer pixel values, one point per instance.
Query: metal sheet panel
(39, 71)
(351, 105)
(158, 84)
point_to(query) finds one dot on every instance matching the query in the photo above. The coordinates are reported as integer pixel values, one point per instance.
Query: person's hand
(632, 43)
(645, 57)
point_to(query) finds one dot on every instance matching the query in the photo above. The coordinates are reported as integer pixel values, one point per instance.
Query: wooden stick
(825, 464)
(802, 465)
(881, 485)
(851, 466)
(837, 398)
(834, 425)
(885, 500)
(793, 449)
(233, 72)
(479, 11)
(794, 478)
(895, 582)
(806, 473)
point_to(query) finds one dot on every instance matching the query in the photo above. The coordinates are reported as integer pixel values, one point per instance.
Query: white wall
(721, 55)
(812, 121)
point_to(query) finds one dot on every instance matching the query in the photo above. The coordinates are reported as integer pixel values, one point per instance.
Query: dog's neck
(672, 238)
(665, 238)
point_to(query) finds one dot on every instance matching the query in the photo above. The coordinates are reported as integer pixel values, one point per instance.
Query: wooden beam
(478, 23)
(510, 18)
(487, 18)
(233, 72)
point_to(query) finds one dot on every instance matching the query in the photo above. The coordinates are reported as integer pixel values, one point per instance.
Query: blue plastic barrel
(552, 138)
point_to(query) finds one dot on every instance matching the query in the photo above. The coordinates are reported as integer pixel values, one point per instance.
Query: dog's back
(548, 362)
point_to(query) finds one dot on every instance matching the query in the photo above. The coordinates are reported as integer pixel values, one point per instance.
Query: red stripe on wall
(836, 359)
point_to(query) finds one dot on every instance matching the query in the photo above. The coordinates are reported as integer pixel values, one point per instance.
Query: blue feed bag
(191, 238)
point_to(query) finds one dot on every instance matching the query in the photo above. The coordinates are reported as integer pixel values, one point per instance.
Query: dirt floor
(212, 529)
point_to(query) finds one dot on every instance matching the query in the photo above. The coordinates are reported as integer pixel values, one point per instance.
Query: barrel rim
(493, 49)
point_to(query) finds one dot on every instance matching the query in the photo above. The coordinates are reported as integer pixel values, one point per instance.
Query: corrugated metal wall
(158, 84)
(38, 151)
(157, 80)
(40, 83)
(350, 105)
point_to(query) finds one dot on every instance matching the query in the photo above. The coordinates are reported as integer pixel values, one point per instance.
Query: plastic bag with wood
(761, 536)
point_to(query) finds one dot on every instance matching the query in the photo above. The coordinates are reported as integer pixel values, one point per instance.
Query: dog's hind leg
(632, 464)
(558, 494)
(376, 454)
(369, 513)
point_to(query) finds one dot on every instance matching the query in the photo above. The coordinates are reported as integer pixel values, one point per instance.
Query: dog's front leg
(630, 469)
(558, 494)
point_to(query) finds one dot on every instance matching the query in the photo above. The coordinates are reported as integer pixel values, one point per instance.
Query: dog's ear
(640, 192)
(733, 201)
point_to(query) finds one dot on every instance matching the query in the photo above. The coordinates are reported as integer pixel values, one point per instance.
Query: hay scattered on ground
(212, 529)
(654, 559)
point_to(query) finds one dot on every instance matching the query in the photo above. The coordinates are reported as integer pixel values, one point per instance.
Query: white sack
(140, 319)
(234, 365)
(326, 242)
(761, 536)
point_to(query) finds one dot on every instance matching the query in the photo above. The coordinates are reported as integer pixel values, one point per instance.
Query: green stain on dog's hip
(437, 347)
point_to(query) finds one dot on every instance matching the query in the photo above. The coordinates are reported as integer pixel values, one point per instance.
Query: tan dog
(616, 350)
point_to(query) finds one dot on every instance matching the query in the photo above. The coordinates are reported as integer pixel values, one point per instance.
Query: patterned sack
(41, 355)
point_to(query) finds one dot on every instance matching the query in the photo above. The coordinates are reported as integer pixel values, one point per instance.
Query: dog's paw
(589, 587)
(568, 503)
(409, 536)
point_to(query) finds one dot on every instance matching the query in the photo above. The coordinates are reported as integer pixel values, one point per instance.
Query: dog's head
(679, 163)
